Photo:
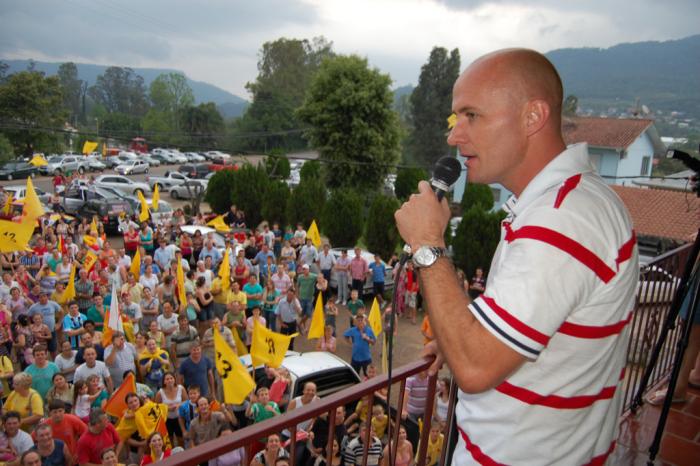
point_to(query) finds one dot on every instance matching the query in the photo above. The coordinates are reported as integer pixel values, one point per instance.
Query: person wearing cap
(306, 283)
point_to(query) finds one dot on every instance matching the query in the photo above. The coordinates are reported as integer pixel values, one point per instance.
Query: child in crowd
(187, 412)
(261, 407)
(331, 311)
(81, 400)
(380, 421)
(355, 306)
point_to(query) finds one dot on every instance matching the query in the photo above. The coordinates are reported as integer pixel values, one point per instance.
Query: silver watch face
(424, 257)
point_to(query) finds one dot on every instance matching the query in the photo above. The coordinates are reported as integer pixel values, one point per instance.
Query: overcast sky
(218, 41)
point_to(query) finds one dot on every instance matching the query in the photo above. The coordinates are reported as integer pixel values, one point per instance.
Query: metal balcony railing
(658, 282)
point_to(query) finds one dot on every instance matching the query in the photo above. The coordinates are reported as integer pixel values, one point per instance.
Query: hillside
(663, 75)
(229, 104)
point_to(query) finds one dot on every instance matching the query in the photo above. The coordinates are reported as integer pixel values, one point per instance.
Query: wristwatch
(426, 256)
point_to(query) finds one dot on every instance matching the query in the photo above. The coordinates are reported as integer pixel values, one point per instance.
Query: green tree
(7, 152)
(248, 191)
(120, 90)
(218, 194)
(121, 125)
(431, 105)
(476, 239)
(306, 202)
(277, 165)
(203, 124)
(342, 219)
(171, 94)
(274, 205)
(407, 181)
(285, 69)
(570, 106)
(32, 102)
(381, 235)
(479, 195)
(71, 87)
(310, 170)
(353, 125)
(157, 126)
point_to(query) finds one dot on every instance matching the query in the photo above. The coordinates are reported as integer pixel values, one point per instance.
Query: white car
(150, 160)
(122, 183)
(132, 167)
(194, 157)
(64, 164)
(189, 189)
(219, 157)
(177, 156)
(126, 154)
(95, 163)
(20, 192)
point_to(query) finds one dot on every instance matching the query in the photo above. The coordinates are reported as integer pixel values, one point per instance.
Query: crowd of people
(60, 363)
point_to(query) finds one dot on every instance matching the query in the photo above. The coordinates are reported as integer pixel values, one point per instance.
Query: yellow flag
(135, 267)
(181, 295)
(237, 382)
(38, 161)
(69, 292)
(225, 272)
(219, 224)
(104, 149)
(32, 207)
(89, 147)
(375, 318)
(147, 416)
(93, 225)
(316, 328)
(241, 348)
(7, 208)
(15, 236)
(268, 347)
(313, 234)
(143, 215)
(126, 427)
(90, 259)
(89, 241)
(155, 198)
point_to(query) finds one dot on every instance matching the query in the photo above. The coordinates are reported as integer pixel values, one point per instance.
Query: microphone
(445, 174)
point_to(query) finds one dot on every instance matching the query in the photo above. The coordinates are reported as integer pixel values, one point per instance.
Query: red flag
(162, 429)
(116, 405)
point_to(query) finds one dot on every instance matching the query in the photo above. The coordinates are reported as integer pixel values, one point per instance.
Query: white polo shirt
(560, 292)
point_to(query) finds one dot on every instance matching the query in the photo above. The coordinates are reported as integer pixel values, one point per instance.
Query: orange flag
(116, 405)
(162, 429)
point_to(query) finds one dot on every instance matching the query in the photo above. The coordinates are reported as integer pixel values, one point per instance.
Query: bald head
(508, 105)
(527, 74)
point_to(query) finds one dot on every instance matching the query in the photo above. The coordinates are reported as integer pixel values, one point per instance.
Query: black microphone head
(446, 172)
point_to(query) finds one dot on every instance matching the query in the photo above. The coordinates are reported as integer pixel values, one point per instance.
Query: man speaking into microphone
(539, 356)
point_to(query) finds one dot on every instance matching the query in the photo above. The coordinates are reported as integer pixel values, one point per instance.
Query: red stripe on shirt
(565, 244)
(555, 401)
(602, 458)
(568, 186)
(477, 454)
(592, 331)
(625, 251)
(518, 325)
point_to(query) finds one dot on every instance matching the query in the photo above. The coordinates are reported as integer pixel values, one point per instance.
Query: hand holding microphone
(422, 221)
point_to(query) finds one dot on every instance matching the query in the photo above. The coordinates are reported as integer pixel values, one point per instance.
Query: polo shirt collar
(572, 161)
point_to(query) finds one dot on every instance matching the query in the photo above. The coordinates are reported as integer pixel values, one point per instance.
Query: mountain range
(662, 75)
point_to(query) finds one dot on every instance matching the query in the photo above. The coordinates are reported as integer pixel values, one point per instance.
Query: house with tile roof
(622, 150)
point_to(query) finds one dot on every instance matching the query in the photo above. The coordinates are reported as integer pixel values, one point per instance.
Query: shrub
(277, 165)
(476, 239)
(479, 195)
(381, 235)
(306, 202)
(248, 191)
(311, 170)
(274, 207)
(219, 191)
(407, 181)
(342, 217)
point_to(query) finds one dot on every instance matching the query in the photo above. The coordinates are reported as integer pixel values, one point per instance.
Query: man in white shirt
(93, 366)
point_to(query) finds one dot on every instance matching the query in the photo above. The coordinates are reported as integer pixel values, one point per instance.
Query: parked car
(95, 163)
(163, 215)
(163, 155)
(17, 170)
(130, 198)
(329, 372)
(163, 159)
(177, 156)
(190, 189)
(219, 157)
(20, 192)
(194, 157)
(369, 258)
(132, 167)
(65, 164)
(129, 155)
(123, 184)
(150, 160)
(114, 160)
(85, 201)
(168, 180)
(195, 171)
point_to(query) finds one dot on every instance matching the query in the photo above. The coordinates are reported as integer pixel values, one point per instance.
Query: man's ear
(537, 114)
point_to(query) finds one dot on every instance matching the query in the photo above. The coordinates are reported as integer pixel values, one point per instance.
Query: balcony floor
(680, 445)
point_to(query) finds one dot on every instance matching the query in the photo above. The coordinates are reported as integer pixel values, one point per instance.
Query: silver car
(132, 167)
(122, 183)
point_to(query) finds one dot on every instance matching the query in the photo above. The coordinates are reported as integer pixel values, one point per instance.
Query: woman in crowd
(131, 240)
(173, 395)
(442, 399)
(403, 453)
(146, 239)
(60, 390)
(40, 331)
(156, 449)
(232, 458)
(197, 245)
(336, 457)
(327, 342)
(17, 303)
(154, 362)
(186, 246)
(26, 401)
(204, 301)
(270, 299)
(273, 450)
(97, 395)
(24, 342)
